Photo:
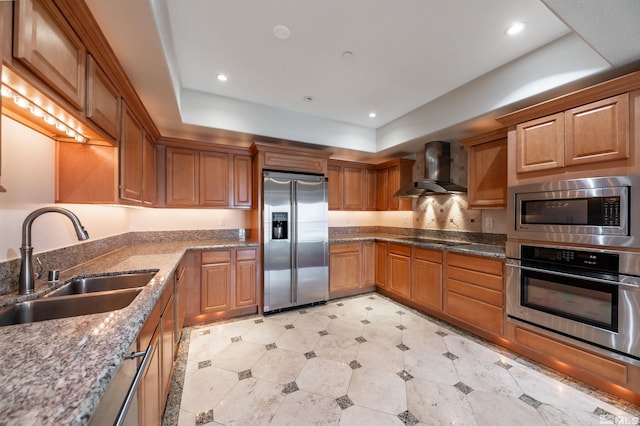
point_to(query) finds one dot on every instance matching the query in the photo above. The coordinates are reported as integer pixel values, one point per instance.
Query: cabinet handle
(135, 384)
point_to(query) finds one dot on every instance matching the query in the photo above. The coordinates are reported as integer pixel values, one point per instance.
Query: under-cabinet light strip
(36, 111)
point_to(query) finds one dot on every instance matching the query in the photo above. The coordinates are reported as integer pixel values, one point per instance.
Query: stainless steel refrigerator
(296, 240)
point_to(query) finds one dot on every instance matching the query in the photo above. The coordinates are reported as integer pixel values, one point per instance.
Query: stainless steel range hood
(437, 165)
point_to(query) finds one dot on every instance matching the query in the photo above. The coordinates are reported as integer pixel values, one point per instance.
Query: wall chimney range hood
(437, 165)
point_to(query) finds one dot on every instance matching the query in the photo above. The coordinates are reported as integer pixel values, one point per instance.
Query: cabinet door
(382, 189)
(183, 167)
(46, 44)
(540, 144)
(426, 285)
(370, 180)
(150, 389)
(381, 264)
(334, 176)
(245, 278)
(242, 181)
(148, 170)
(214, 179)
(103, 100)
(598, 131)
(344, 266)
(215, 293)
(488, 174)
(167, 345)
(394, 184)
(399, 270)
(368, 263)
(131, 154)
(353, 189)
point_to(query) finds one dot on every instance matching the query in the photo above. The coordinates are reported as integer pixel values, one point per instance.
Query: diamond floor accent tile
(449, 355)
(463, 388)
(344, 402)
(270, 346)
(404, 375)
(441, 333)
(354, 364)
(369, 308)
(403, 347)
(503, 364)
(204, 418)
(530, 401)
(302, 311)
(361, 339)
(339, 304)
(365, 322)
(372, 298)
(310, 355)
(605, 416)
(401, 327)
(205, 332)
(407, 418)
(400, 312)
(236, 339)
(290, 388)
(258, 321)
(246, 374)
(323, 332)
(333, 316)
(204, 364)
(289, 326)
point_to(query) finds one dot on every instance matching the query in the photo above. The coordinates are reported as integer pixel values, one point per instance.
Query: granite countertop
(465, 247)
(55, 372)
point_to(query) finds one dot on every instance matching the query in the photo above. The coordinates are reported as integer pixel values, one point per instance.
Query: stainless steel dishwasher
(119, 404)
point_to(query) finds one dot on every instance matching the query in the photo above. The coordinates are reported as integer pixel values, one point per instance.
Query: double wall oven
(573, 262)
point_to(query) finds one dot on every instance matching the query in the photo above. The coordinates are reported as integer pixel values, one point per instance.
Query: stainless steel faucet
(26, 282)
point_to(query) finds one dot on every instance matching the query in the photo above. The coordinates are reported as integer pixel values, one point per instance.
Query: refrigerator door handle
(294, 241)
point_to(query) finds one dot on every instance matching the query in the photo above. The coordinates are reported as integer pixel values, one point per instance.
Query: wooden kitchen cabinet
(103, 100)
(45, 43)
(149, 191)
(352, 185)
(181, 277)
(399, 270)
(351, 268)
(227, 286)
(391, 176)
(137, 161)
(382, 251)
(149, 400)
(426, 281)
(592, 133)
(475, 291)
(198, 178)
(487, 165)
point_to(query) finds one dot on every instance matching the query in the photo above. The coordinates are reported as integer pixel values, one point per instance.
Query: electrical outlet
(223, 221)
(488, 223)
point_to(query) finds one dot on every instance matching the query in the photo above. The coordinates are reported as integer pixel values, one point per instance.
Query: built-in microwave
(594, 211)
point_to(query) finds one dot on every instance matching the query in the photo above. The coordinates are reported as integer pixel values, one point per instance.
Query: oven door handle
(581, 277)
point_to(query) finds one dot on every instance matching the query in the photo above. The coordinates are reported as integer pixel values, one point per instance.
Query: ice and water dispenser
(279, 225)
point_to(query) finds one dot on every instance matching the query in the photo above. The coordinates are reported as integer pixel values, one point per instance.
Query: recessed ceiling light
(221, 77)
(281, 32)
(308, 98)
(346, 55)
(515, 28)
(372, 115)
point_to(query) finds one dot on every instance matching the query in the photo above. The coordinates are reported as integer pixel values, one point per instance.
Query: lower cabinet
(426, 282)
(351, 268)
(399, 270)
(227, 286)
(158, 332)
(474, 291)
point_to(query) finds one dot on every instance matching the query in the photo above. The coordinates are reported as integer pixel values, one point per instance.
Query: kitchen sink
(63, 307)
(83, 285)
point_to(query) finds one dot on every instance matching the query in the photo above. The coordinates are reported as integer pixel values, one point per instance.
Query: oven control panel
(563, 257)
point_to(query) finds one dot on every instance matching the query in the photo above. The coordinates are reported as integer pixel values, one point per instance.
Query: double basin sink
(80, 296)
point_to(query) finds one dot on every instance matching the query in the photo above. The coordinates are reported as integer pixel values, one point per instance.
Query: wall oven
(582, 295)
(594, 211)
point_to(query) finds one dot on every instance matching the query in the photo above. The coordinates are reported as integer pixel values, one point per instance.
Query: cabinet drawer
(344, 248)
(477, 278)
(475, 263)
(429, 255)
(223, 256)
(492, 297)
(245, 254)
(398, 249)
(480, 314)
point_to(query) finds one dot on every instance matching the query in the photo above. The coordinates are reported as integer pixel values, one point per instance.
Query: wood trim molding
(484, 137)
(202, 146)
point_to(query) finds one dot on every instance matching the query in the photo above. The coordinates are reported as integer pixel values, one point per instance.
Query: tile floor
(369, 361)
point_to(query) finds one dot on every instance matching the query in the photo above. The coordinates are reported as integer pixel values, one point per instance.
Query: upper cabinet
(137, 161)
(208, 178)
(103, 100)
(352, 185)
(582, 134)
(47, 45)
(487, 165)
(391, 176)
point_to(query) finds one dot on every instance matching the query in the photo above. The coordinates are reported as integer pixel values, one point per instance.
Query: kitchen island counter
(55, 372)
